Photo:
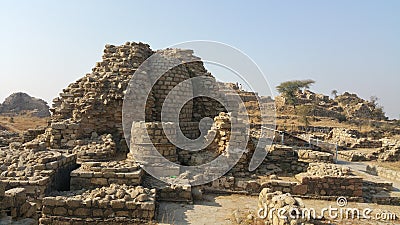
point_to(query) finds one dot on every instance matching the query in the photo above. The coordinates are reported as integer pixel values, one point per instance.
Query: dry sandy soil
(22, 123)
(219, 209)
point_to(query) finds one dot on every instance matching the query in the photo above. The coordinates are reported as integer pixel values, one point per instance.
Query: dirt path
(360, 169)
(218, 210)
(213, 209)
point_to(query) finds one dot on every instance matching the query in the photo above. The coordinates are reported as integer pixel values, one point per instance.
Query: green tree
(334, 93)
(289, 89)
(374, 100)
(304, 111)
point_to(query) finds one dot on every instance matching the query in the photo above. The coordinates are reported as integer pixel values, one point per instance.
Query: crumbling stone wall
(286, 159)
(352, 139)
(15, 204)
(114, 204)
(98, 174)
(31, 134)
(8, 137)
(344, 137)
(323, 179)
(314, 156)
(95, 149)
(94, 102)
(145, 135)
(38, 172)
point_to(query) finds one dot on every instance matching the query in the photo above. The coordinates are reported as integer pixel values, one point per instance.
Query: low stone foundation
(330, 186)
(38, 172)
(96, 149)
(315, 156)
(14, 204)
(383, 172)
(181, 192)
(149, 137)
(117, 204)
(323, 179)
(97, 174)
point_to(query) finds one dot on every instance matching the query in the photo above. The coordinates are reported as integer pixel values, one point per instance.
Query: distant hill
(23, 104)
(346, 105)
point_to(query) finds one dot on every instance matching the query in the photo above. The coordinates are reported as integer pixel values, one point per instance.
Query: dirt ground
(214, 209)
(219, 209)
(22, 123)
(390, 165)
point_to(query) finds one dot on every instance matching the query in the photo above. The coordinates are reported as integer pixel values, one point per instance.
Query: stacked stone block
(114, 204)
(220, 132)
(147, 138)
(15, 204)
(38, 172)
(314, 156)
(367, 143)
(31, 134)
(95, 149)
(98, 174)
(286, 159)
(323, 179)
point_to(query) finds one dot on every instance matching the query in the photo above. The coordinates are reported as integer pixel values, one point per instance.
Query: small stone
(60, 211)
(142, 198)
(117, 204)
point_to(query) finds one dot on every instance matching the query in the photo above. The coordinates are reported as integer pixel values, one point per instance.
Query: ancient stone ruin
(90, 167)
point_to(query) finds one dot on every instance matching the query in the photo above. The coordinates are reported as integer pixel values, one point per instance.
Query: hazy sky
(345, 45)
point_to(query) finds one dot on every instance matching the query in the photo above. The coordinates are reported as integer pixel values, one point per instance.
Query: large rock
(22, 103)
(270, 203)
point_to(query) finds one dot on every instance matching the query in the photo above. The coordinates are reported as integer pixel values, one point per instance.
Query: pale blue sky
(345, 45)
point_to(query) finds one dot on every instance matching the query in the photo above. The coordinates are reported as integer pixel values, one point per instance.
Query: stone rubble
(97, 148)
(130, 204)
(268, 200)
(14, 203)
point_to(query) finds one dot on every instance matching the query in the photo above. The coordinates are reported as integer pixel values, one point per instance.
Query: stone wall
(31, 134)
(282, 186)
(286, 158)
(98, 174)
(38, 172)
(383, 172)
(314, 156)
(323, 179)
(344, 137)
(126, 203)
(14, 203)
(147, 137)
(8, 137)
(383, 154)
(330, 186)
(220, 132)
(94, 102)
(95, 149)
(367, 143)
